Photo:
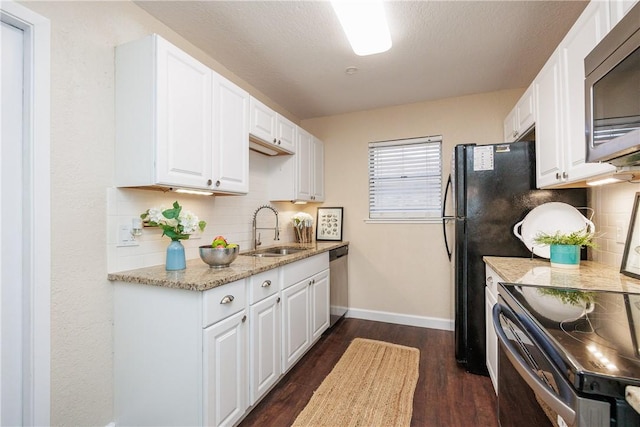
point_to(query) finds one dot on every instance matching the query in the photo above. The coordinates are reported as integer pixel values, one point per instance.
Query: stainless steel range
(566, 356)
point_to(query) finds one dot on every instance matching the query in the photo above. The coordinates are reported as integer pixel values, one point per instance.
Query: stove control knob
(594, 386)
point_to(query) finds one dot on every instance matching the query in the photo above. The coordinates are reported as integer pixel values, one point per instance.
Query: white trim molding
(37, 211)
(402, 319)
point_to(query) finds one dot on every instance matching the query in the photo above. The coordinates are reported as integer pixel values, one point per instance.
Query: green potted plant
(565, 247)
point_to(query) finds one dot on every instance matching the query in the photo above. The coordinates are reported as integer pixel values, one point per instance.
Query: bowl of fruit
(219, 253)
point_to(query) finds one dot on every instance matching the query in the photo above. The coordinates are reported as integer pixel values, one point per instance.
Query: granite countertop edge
(199, 277)
(538, 272)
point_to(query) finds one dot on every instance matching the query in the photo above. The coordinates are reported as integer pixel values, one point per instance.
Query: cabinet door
(286, 132)
(510, 128)
(296, 337)
(319, 304)
(491, 339)
(224, 371)
(526, 116)
(618, 9)
(183, 118)
(265, 346)
(318, 170)
(590, 28)
(262, 123)
(230, 137)
(548, 124)
(303, 165)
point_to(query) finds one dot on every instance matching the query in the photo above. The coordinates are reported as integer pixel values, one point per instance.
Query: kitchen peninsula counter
(590, 276)
(198, 276)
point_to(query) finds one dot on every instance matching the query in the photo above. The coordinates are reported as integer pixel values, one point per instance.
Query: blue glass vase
(175, 256)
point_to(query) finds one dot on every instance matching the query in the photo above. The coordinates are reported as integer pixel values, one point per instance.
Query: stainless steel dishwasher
(338, 283)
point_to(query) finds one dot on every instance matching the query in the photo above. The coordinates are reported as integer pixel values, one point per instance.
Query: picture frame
(631, 255)
(329, 224)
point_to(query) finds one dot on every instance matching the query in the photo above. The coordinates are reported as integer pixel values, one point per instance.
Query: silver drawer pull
(490, 280)
(266, 283)
(226, 299)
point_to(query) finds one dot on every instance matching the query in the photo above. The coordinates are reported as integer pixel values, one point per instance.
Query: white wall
(400, 268)
(84, 35)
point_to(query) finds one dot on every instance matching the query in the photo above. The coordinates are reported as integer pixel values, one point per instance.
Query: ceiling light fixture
(610, 179)
(365, 24)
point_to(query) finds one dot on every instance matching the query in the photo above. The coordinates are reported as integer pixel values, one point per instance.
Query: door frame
(37, 212)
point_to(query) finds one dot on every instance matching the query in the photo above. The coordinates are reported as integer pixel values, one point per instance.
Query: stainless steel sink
(275, 252)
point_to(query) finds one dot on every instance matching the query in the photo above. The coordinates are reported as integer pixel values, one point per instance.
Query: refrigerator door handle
(445, 218)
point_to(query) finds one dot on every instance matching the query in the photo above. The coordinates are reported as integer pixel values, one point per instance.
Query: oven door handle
(538, 387)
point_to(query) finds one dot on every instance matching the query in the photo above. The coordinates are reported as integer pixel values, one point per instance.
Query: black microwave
(612, 89)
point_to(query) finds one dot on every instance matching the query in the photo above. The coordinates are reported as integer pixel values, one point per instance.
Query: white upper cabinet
(163, 116)
(300, 177)
(168, 118)
(521, 118)
(230, 137)
(271, 130)
(560, 104)
(618, 9)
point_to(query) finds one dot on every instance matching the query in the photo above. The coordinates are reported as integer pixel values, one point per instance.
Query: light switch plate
(124, 236)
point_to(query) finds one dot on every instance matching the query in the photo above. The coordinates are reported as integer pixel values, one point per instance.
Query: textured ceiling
(296, 53)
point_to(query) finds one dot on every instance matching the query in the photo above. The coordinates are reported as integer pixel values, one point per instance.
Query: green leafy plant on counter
(577, 238)
(176, 223)
(569, 296)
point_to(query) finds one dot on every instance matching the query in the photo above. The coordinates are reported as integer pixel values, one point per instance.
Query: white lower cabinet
(205, 358)
(225, 365)
(491, 343)
(265, 346)
(295, 323)
(305, 306)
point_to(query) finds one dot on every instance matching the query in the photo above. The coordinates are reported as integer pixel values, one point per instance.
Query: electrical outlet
(620, 234)
(124, 236)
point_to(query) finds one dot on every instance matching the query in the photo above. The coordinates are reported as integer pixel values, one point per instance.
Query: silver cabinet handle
(275, 140)
(490, 280)
(226, 299)
(218, 183)
(266, 284)
(565, 175)
(244, 318)
(278, 300)
(209, 182)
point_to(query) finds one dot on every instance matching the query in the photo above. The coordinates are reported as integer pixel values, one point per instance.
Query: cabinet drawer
(295, 272)
(263, 284)
(223, 301)
(492, 280)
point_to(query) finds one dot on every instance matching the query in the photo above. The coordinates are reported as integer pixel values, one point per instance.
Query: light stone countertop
(590, 276)
(198, 276)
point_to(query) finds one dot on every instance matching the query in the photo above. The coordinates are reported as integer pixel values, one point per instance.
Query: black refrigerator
(493, 188)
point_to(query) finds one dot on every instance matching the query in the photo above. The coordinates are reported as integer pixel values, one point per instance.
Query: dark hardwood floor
(445, 395)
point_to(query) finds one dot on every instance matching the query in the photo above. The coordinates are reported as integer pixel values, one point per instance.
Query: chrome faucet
(256, 240)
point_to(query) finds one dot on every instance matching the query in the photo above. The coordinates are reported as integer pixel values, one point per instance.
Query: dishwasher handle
(338, 252)
(519, 364)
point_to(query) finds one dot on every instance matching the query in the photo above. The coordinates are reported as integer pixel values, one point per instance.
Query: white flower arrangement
(176, 223)
(303, 223)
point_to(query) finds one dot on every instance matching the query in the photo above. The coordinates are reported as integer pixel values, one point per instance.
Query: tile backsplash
(229, 216)
(613, 205)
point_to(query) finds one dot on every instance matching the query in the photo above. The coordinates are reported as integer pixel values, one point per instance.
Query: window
(405, 178)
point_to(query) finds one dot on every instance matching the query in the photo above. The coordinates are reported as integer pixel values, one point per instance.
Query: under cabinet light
(197, 192)
(610, 179)
(365, 24)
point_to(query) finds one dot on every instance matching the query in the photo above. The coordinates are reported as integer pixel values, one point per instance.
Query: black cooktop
(592, 336)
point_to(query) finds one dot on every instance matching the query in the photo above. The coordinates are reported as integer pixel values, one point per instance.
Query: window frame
(432, 177)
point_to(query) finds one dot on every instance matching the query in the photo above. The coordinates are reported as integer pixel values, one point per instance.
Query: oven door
(531, 390)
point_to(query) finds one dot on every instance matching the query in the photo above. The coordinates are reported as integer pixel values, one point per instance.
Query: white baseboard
(402, 319)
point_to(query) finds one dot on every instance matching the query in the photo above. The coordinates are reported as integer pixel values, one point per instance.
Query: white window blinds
(405, 178)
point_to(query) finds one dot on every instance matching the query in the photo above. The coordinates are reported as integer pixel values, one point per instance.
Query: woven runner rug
(371, 385)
